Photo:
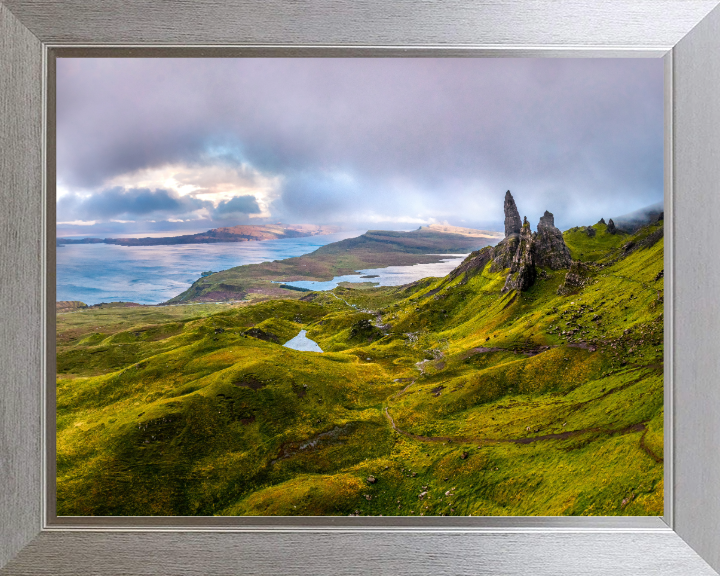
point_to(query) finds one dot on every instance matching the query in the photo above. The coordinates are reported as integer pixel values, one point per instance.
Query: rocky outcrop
(547, 220)
(611, 227)
(521, 251)
(590, 231)
(579, 275)
(260, 335)
(513, 224)
(475, 262)
(504, 253)
(647, 242)
(522, 269)
(601, 221)
(550, 248)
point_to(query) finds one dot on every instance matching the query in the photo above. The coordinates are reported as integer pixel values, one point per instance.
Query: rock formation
(590, 231)
(611, 227)
(504, 253)
(512, 216)
(550, 248)
(522, 268)
(521, 251)
(547, 220)
(578, 276)
(475, 262)
(601, 221)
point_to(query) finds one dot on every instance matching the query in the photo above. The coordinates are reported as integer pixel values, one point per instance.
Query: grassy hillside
(374, 249)
(444, 397)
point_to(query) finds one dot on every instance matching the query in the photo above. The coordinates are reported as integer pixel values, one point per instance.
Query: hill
(242, 233)
(479, 393)
(633, 221)
(374, 249)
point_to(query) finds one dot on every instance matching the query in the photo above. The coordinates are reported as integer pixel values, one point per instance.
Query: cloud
(236, 207)
(122, 203)
(347, 139)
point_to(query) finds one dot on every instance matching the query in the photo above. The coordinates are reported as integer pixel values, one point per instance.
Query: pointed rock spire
(547, 220)
(513, 224)
(550, 248)
(611, 226)
(522, 268)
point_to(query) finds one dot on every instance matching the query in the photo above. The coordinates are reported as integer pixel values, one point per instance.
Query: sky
(185, 145)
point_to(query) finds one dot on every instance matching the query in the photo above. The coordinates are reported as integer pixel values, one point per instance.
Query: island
(241, 233)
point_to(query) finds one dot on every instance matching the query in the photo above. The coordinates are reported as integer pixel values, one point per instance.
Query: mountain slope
(444, 397)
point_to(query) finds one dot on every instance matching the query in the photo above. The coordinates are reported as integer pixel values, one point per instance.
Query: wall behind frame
(696, 63)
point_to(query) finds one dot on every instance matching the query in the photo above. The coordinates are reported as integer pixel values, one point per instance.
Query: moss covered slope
(441, 397)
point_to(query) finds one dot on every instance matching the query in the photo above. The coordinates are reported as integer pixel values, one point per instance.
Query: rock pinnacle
(513, 224)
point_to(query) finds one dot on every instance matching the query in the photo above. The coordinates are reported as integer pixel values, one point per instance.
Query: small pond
(303, 343)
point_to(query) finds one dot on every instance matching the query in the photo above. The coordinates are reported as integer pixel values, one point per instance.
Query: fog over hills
(633, 221)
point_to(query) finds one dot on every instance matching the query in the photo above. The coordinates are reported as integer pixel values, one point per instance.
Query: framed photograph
(312, 372)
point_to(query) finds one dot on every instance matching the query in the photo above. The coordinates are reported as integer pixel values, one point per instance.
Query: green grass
(592, 249)
(182, 411)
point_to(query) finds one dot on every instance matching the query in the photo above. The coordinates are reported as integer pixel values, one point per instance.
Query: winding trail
(591, 347)
(343, 299)
(639, 427)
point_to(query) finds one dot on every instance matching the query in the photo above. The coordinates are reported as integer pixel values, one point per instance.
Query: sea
(95, 273)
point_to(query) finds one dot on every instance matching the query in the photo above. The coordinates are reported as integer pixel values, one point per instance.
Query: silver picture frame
(685, 33)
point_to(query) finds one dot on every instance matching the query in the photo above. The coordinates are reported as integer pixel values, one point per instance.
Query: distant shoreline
(242, 233)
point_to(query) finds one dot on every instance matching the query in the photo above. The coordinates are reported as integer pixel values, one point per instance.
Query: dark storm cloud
(415, 138)
(237, 205)
(127, 203)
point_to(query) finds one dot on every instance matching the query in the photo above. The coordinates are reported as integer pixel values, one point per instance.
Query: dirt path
(343, 299)
(640, 427)
(401, 392)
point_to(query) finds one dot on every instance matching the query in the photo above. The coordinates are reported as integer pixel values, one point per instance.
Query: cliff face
(504, 253)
